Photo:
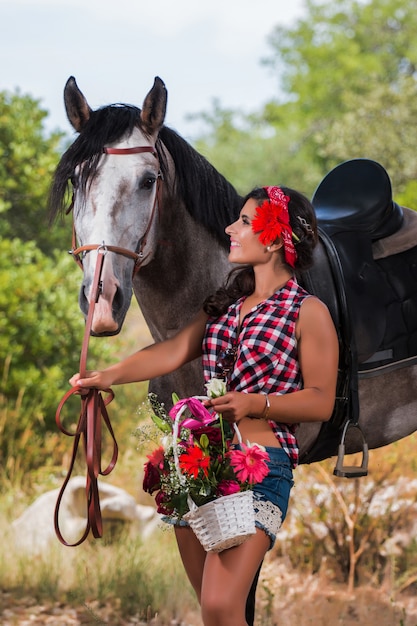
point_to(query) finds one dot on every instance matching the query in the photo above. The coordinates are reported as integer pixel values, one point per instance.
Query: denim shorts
(270, 496)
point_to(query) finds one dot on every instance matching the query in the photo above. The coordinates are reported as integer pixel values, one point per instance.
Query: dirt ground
(283, 598)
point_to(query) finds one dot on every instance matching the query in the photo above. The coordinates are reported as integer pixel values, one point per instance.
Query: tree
(347, 76)
(348, 71)
(250, 152)
(27, 162)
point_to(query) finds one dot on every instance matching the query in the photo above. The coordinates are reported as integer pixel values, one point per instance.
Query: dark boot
(250, 602)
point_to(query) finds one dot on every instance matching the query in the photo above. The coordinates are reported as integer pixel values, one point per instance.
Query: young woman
(279, 348)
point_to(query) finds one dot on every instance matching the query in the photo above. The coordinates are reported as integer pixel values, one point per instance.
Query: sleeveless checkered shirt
(266, 351)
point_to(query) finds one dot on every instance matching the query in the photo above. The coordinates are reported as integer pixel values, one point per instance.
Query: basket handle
(175, 432)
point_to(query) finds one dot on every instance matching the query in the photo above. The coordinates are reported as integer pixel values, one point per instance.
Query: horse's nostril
(118, 300)
(83, 300)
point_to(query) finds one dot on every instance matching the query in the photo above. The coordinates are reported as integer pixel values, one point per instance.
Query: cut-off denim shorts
(270, 496)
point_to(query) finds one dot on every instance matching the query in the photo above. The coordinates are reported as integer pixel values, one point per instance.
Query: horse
(158, 208)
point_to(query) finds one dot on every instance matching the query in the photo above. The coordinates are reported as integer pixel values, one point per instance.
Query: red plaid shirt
(266, 351)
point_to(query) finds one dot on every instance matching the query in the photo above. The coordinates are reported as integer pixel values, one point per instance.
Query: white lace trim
(268, 515)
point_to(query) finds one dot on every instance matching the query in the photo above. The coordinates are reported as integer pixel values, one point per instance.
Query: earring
(268, 248)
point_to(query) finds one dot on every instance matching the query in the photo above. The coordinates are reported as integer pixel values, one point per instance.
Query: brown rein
(93, 404)
(89, 428)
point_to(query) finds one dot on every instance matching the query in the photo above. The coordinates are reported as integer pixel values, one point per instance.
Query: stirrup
(351, 471)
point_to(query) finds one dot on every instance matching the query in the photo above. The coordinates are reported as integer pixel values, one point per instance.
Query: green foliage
(344, 47)
(27, 161)
(408, 197)
(41, 331)
(250, 153)
(348, 72)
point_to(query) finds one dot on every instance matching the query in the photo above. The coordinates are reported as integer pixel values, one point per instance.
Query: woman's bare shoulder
(314, 313)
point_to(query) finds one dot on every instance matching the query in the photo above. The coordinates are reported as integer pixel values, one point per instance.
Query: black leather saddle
(373, 302)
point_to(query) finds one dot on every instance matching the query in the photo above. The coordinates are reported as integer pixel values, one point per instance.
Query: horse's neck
(189, 265)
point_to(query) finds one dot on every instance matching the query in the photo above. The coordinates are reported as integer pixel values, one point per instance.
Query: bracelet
(267, 407)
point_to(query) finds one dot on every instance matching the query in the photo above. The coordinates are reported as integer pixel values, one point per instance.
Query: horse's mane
(105, 125)
(207, 195)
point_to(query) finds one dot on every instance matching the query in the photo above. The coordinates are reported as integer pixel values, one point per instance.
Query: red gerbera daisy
(156, 457)
(270, 220)
(194, 460)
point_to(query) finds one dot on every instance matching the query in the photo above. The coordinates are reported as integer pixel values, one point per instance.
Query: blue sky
(202, 51)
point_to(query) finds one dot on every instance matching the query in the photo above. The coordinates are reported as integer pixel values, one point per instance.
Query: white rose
(216, 387)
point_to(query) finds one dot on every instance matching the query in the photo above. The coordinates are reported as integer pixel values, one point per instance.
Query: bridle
(93, 403)
(138, 255)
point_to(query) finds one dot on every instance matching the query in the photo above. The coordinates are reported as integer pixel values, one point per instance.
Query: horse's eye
(74, 181)
(148, 182)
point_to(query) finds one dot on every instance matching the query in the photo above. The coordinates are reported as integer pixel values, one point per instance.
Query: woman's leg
(193, 557)
(227, 580)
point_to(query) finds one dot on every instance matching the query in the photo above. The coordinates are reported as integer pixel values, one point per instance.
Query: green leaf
(204, 441)
(161, 423)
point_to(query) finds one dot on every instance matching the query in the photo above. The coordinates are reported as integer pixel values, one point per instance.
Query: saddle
(365, 270)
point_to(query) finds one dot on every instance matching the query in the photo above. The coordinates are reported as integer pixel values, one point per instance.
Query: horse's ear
(76, 106)
(154, 107)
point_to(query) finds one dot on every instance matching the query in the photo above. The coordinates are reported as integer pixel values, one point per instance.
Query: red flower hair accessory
(272, 221)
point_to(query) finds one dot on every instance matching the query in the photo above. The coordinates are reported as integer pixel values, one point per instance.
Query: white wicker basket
(225, 522)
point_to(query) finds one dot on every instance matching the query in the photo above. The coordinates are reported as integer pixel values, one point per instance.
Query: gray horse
(160, 209)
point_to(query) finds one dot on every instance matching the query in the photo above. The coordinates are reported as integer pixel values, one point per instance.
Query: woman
(278, 347)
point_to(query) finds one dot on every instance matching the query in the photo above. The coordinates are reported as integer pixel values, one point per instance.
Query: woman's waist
(257, 431)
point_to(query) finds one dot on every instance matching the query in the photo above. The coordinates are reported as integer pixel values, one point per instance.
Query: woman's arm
(318, 356)
(150, 362)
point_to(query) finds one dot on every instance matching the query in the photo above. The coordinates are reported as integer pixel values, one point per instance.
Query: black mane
(208, 196)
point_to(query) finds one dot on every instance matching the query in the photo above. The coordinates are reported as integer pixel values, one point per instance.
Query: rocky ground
(284, 598)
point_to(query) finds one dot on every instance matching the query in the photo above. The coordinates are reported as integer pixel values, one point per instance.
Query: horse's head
(114, 171)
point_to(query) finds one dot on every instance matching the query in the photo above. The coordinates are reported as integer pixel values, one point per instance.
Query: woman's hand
(233, 406)
(99, 380)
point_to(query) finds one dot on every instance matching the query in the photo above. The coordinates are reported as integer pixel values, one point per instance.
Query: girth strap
(332, 291)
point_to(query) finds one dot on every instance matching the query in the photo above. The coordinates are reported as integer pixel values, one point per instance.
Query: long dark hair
(241, 280)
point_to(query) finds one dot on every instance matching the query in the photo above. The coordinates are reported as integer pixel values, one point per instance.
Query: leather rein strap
(89, 428)
(93, 404)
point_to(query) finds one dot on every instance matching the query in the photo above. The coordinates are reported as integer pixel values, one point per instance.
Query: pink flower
(249, 463)
(227, 487)
(197, 409)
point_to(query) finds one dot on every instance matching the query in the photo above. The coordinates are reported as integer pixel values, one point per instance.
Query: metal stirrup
(351, 471)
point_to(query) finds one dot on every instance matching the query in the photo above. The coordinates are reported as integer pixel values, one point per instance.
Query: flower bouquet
(197, 474)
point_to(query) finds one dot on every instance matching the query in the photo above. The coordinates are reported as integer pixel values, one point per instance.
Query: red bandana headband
(272, 221)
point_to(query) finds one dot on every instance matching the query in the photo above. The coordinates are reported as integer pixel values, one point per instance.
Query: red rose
(151, 478)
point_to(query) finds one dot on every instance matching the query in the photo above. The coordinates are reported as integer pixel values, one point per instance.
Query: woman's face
(245, 246)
